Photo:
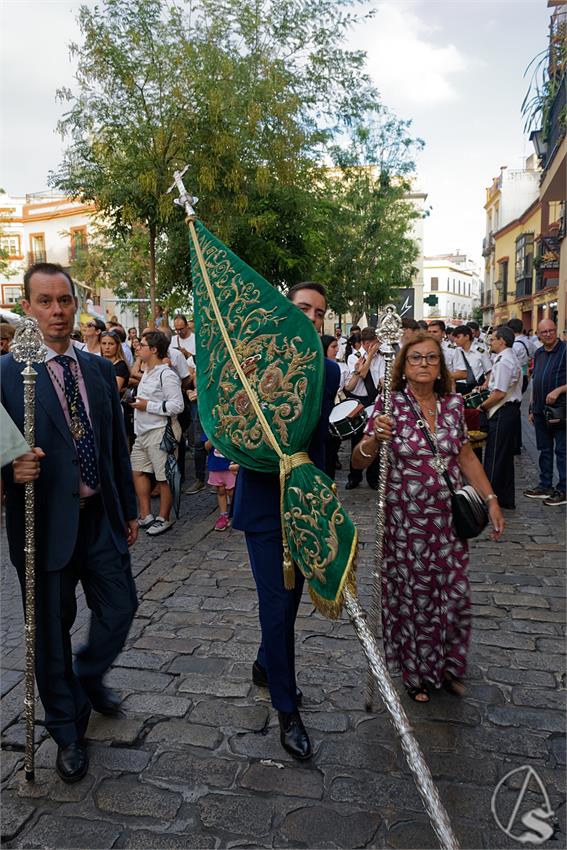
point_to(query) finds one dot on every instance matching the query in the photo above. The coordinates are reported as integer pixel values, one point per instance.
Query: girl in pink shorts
(222, 476)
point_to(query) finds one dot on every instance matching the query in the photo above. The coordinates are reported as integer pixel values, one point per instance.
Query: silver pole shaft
(422, 775)
(29, 375)
(375, 611)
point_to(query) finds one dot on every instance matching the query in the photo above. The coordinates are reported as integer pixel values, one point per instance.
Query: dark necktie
(85, 442)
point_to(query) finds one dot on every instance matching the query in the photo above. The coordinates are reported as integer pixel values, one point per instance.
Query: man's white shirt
(377, 370)
(506, 375)
(481, 364)
(162, 388)
(187, 343)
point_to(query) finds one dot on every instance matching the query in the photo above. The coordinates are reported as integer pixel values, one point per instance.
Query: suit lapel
(47, 398)
(95, 393)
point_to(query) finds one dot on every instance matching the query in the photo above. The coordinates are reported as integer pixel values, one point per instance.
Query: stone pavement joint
(195, 760)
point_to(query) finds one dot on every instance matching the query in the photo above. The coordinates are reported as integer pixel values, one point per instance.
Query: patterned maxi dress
(426, 612)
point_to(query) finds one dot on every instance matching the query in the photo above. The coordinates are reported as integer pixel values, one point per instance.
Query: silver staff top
(184, 200)
(27, 346)
(389, 328)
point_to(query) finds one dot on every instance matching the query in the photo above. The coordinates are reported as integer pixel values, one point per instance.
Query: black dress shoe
(105, 701)
(293, 735)
(260, 678)
(72, 761)
(350, 485)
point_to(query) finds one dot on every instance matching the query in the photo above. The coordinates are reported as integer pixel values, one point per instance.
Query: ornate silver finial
(184, 200)
(27, 346)
(389, 328)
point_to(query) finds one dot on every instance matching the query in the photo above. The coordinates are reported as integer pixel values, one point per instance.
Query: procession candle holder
(388, 332)
(28, 348)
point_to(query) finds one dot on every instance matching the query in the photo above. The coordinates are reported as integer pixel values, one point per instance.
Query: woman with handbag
(426, 611)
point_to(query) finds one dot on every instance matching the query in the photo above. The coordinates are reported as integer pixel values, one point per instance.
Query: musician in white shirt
(437, 330)
(364, 377)
(503, 409)
(470, 368)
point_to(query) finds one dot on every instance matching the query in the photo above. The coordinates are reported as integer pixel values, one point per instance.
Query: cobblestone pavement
(195, 762)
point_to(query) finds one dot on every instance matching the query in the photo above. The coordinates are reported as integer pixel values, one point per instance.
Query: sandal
(419, 691)
(454, 685)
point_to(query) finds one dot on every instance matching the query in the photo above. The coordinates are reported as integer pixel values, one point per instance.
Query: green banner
(260, 380)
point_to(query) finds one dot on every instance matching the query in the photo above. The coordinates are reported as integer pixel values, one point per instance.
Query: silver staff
(412, 751)
(28, 348)
(388, 333)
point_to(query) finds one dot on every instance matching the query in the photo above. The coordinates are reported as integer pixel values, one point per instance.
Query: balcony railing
(38, 256)
(524, 286)
(76, 252)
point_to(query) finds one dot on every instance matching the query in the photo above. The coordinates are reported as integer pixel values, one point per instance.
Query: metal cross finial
(184, 200)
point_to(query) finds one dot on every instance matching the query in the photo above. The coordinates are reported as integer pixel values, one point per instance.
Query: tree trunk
(153, 306)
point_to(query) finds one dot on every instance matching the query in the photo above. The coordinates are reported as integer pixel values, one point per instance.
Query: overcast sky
(455, 67)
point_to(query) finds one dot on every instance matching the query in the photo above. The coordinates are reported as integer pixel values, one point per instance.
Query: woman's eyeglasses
(416, 359)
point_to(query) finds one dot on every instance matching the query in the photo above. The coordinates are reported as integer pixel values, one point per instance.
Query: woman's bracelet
(363, 453)
(489, 497)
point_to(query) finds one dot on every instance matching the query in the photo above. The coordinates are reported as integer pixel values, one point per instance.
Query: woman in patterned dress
(425, 587)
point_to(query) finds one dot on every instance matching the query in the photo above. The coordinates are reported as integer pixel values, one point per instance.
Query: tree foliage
(258, 97)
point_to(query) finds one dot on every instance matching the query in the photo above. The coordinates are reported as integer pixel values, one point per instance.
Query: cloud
(405, 62)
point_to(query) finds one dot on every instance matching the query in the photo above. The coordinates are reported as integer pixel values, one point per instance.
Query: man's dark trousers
(499, 453)
(548, 440)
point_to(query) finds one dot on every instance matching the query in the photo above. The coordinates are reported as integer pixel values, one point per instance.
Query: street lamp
(539, 143)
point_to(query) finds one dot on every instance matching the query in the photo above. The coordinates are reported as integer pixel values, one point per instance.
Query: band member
(470, 368)
(448, 349)
(503, 410)
(86, 516)
(257, 513)
(365, 373)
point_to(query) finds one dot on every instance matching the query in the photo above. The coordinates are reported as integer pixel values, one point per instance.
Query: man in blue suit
(85, 515)
(257, 513)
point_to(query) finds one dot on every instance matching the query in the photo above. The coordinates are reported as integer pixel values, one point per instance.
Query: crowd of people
(112, 430)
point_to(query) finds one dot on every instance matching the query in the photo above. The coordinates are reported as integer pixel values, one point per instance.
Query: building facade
(453, 279)
(507, 198)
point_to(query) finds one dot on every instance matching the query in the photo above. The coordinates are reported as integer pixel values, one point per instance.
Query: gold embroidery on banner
(275, 369)
(317, 540)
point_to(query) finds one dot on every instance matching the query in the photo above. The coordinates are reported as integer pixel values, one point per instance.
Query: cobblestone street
(195, 762)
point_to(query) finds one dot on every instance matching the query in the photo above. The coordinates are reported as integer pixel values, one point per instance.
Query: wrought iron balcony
(487, 245)
(524, 286)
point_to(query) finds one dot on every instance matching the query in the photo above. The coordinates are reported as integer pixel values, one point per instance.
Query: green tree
(250, 94)
(373, 249)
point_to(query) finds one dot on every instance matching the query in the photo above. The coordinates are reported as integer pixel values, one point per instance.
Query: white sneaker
(146, 521)
(159, 526)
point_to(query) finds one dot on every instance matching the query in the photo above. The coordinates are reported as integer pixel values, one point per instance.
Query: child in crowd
(222, 476)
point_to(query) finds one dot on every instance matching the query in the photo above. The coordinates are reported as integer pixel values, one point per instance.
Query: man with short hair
(549, 385)
(470, 368)
(158, 399)
(365, 373)
(183, 338)
(342, 341)
(257, 513)
(85, 519)
(437, 330)
(409, 329)
(503, 410)
(478, 338)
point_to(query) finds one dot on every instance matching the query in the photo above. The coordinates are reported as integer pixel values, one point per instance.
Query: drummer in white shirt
(364, 377)
(437, 330)
(503, 409)
(470, 368)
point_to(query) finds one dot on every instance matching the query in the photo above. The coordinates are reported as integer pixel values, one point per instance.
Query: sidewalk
(196, 762)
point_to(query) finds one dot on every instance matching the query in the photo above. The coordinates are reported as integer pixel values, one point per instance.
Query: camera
(129, 395)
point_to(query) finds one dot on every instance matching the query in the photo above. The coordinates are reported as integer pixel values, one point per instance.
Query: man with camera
(547, 413)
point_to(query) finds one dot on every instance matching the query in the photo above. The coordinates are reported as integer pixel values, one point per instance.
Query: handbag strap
(424, 429)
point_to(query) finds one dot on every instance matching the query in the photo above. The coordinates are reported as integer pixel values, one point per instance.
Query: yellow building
(515, 247)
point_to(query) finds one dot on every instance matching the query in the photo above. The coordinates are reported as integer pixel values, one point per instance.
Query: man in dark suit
(257, 513)
(85, 515)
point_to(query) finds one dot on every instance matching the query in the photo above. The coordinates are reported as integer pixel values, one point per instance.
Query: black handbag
(470, 514)
(554, 414)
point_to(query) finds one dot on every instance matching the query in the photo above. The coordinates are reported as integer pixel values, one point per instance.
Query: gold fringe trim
(287, 463)
(332, 608)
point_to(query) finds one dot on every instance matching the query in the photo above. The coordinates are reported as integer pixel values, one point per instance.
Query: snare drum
(347, 419)
(475, 399)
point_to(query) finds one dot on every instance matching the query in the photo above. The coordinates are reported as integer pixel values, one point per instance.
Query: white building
(455, 281)
(49, 227)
